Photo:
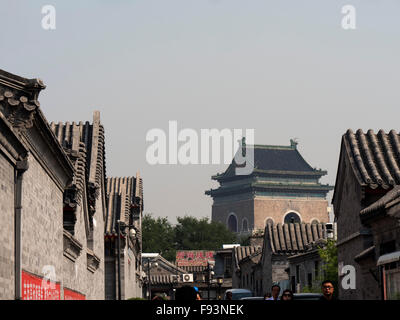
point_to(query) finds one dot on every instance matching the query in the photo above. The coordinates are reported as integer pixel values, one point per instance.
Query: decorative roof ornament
(293, 143)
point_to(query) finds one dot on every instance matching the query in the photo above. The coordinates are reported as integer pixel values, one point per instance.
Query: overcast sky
(284, 68)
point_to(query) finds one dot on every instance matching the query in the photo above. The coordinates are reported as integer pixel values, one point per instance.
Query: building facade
(125, 204)
(239, 278)
(57, 218)
(283, 241)
(52, 220)
(162, 277)
(368, 169)
(84, 206)
(283, 187)
(383, 257)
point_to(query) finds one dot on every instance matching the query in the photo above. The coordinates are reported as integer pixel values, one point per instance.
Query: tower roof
(276, 160)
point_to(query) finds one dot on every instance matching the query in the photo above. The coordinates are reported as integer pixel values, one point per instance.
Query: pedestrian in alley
(275, 290)
(287, 295)
(267, 295)
(327, 291)
(198, 296)
(186, 293)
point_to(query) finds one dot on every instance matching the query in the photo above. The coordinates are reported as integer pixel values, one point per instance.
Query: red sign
(73, 295)
(196, 258)
(38, 288)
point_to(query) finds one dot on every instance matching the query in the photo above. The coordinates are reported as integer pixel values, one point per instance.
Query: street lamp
(220, 281)
(210, 268)
(132, 233)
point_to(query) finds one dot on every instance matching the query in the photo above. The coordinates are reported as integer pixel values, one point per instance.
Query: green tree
(191, 233)
(328, 255)
(199, 234)
(158, 236)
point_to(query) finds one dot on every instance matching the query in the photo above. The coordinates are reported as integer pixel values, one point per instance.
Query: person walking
(186, 293)
(327, 291)
(287, 295)
(275, 290)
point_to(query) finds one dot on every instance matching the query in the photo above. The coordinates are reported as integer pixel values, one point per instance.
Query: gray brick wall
(6, 229)
(76, 276)
(42, 221)
(348, 224)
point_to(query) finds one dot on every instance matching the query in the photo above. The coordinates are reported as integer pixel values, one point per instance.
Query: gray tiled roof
(277, 159)
(193, 269)
(375, 158)
(85, 146)
(122, 194)
(243, 252)
(160, 279)
(392, 197)
(293, 238)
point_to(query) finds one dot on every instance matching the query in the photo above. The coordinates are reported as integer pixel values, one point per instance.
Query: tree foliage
(158, 236)
(189, 234)
(200, 234)
(328, 255)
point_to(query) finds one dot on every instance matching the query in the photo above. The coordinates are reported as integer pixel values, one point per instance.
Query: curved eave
(273, 173)
(261, 186)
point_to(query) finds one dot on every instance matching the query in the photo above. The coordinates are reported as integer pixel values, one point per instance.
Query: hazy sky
(285, 68)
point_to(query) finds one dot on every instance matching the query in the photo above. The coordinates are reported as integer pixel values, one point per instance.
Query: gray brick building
(383, 217)
(125, 203)
(282, 186)
(53, 202)
(84, 207)
(368, 169)
(283, 241)
(34, 172)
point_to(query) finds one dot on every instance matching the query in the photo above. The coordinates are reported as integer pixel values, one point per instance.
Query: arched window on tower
(245, 226)
(232, 223)
(292, 217)
(269, 221)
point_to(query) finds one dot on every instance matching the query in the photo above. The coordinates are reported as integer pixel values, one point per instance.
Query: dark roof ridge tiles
(383, 202)
(294, 237)
(376, 157)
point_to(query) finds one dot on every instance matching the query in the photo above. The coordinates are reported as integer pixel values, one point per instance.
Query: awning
(389, 258)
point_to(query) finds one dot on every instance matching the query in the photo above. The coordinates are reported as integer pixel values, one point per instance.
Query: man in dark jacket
(327, 291)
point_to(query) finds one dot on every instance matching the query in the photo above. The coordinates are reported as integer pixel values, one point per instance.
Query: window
(309, 280)
(387, 247)
(228, 266)
(316, 268)
(392, 279)
(232, 223)
(269, 221)
(293, 282)
(297, 274)
(292, 217)
(244, 225)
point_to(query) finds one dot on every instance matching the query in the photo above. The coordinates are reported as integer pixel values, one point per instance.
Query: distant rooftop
(275, 159)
